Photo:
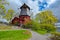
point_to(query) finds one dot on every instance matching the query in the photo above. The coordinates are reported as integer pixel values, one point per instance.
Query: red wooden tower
(24, 16)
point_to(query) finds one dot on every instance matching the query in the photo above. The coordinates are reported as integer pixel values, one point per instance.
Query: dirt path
(36, 36)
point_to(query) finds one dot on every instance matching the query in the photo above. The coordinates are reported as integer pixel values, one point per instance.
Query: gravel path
(36, 36)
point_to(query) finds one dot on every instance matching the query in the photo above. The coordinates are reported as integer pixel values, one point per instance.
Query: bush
(41, 31)
(48, 27)
(32, 25)
(40, 28)
(35, 26)
(55, 36)
(27, 25)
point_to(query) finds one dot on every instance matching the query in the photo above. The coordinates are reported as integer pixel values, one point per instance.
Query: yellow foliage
(46, 17)
(9, 14)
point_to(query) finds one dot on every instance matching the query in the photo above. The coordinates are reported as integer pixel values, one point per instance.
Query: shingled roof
(25, 6)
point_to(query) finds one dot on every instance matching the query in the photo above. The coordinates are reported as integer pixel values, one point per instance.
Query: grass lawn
(5, 27)
(42, 32)
(15, 35)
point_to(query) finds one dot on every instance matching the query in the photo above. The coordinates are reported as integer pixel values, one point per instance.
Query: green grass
(5, 27)
(15, 35)
(42, 32)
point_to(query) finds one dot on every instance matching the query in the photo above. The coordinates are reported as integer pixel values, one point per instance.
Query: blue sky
(38, 5)
(35, 5)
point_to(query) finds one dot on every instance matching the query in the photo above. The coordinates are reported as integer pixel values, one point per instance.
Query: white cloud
(55, 8)
(51, 1)
(32, 4)
(15, 4)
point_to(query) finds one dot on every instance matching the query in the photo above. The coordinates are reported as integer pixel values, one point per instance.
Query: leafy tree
(46, 20)
(48, 27)
(2, 10)
(3, 2)
(9, 14)
(2, 7)
(55, 36)
(46, 17)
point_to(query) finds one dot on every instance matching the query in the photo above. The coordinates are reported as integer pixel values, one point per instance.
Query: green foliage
(2, 7)
(28, 25)
(41, 31)
(40, 28)
(33, 25)
(15, 35)
(9, 14)
(47, 21)
(4, 2)
(16, 23)
(55, 36)
(46, 17)
(48, 27)
(43, 23)
(43, 28)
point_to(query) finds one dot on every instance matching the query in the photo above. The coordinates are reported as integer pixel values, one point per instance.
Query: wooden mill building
(24, 16)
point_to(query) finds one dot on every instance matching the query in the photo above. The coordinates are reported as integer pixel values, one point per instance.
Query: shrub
(35, 26)
(48, 27)
(40, 28)
(55, 36)
(27, 25)
(16, 23)
(41, 31)
(32, 25)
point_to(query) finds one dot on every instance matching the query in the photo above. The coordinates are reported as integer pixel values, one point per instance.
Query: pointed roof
(25, 6)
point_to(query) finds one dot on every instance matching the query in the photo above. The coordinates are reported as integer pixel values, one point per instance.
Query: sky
(37, 6)
(55, 7)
